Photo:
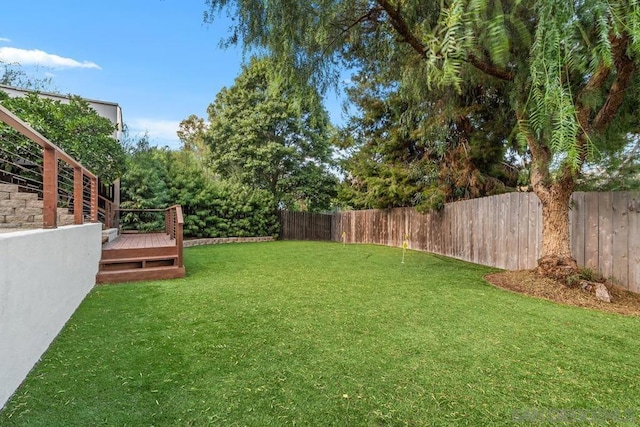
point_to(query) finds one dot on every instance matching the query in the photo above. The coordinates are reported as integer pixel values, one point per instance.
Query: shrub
(211, 207)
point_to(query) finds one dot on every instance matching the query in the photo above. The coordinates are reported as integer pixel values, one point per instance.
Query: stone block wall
(223, 240)
(24, 210)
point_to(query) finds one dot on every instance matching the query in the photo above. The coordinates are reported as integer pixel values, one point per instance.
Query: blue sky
(156, 58)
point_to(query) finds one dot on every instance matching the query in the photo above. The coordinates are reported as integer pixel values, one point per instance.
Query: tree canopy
(272, 136)
(75, 127)
(418, 154)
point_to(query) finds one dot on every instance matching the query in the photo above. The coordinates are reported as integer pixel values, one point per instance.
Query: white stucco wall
(44, 275)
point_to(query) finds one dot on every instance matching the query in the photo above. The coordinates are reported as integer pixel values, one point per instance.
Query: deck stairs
(134, 257)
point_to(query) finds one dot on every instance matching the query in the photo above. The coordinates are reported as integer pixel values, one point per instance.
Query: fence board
(455, 230)
(363, 226)
(620, 239)
(469, 235)
(634, 242)
(428, 234)
(511, 224)
(438, 230)
(523, 233)
(392, 228)
(501, 253)
(354, 221)
(461, 227)
(444, 230)
(474, 237)
(490, 231)
(605, 234)
(415, 223)
(591, 230)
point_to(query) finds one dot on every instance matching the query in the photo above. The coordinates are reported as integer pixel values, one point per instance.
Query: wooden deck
(141, 256)
(140, 240)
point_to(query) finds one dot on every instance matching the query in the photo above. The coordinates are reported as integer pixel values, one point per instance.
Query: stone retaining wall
(222, 240)
(19, 210)
(24, 211)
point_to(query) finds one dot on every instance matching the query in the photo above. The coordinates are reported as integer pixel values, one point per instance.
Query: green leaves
(75, 127)
(157, 178)
(272, 136)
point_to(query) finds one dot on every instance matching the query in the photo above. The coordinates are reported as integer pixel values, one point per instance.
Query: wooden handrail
(139, 210)
(51, 154)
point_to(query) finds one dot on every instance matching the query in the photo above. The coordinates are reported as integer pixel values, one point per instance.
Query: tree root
(558, 268)
(566, 270)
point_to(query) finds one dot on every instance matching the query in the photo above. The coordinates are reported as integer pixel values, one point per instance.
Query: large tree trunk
(555, 259)
(554, 193)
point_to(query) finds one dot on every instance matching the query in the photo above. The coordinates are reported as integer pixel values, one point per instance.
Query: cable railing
(174, 225)
(58, 179)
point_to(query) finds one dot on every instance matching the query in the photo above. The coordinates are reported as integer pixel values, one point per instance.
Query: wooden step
(138, 262)
(138, 274)
(139, 252)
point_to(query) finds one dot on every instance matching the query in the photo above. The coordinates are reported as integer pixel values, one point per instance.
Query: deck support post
(50, 188)
(77, 195)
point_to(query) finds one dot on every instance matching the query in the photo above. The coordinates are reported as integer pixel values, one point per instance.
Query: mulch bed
(529, 283)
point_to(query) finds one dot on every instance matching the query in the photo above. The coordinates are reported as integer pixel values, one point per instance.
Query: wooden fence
(304, 226)
(502, 231)
(605, 235)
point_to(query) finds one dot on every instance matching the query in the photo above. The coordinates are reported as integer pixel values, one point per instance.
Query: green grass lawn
(306, 333)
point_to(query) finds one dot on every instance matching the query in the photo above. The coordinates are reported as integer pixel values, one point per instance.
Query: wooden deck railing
(174, 225)
(108, 210)
(51, 155)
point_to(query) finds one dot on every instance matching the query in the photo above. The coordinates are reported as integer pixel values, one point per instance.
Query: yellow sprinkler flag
(344, 239)
(405, 245)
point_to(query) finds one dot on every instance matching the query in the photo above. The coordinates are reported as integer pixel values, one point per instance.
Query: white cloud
(163, 131)
(5, 40)
(42, 58)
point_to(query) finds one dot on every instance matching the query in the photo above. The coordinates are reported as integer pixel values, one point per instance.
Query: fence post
(50, 188)
(77, 195)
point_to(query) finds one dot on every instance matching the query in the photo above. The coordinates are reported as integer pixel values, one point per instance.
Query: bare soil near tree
(529, 283)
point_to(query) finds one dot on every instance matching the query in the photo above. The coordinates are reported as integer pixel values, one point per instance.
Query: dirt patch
(530, 283)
